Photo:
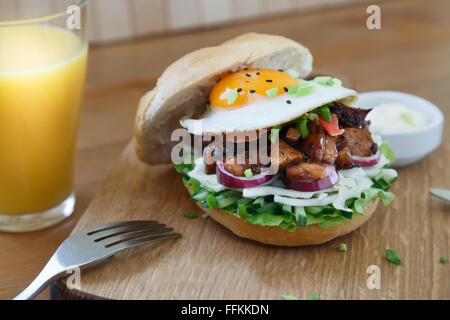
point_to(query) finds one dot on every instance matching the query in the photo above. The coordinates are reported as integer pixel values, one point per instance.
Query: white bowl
(410, 146)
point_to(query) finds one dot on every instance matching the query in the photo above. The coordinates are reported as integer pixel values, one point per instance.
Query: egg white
(268, 112)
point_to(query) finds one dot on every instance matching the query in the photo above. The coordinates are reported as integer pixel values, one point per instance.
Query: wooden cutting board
(209, 262)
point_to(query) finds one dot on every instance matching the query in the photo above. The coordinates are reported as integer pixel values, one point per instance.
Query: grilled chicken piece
(359, 141)
(286, 155)
(340, 142)
(318, 145)
(331, 152)
(350, 117)
(234, 168)
(237, 169)
(305, 171)
(344, 159)
(293, 134)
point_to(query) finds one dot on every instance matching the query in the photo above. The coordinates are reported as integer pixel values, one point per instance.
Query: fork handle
(35, 287)
(47, 275)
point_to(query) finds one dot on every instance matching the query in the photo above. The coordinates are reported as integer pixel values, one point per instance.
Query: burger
(269, 152)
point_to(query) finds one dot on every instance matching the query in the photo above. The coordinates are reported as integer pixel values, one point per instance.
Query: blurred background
(111, 20)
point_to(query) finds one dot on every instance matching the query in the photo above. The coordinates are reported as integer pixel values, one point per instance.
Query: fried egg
(252, 99)
(250, 86)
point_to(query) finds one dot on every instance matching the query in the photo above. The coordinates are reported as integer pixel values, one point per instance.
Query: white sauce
(395, 117)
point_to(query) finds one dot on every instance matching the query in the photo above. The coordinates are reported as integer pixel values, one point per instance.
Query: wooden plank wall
(111, 20)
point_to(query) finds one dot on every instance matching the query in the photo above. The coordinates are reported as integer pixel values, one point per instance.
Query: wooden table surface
(410, 53)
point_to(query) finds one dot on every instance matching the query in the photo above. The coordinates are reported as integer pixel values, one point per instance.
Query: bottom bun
(302, 236)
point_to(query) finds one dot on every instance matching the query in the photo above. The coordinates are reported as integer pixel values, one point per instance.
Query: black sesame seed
(247, 75)
(288, 101)
(239, 89)
(285, 89)
(245, 68)
(268, 80)
(258, 73)
(280, 70)
(252, 91)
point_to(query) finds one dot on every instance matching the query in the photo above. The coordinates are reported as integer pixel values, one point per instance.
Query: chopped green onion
(325, 113)
(208, 107)
(286, 209)
(274, 133)
(300, 215)
(244, 201)
(259, 202)
(443, 259)
(387, 151)
(304, 91)
(312, 116)
(378, 176)
(407, 118)
(393, 257)
(303, 127)
(342, 247)
(200, 195)
(248, 173)
(346, 214)
(293, 89)
(315, 210)
(325, 81)
(190, 215)
(314, 296)
(232, 96)
(223, 202)
(286, 297)
(268, 207)
(271, 93)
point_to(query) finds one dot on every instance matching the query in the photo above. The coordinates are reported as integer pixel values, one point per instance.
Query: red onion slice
(367, 161)
(228, 180)
(330, 179)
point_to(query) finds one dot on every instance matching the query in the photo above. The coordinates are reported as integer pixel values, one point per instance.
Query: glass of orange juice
(43, 56)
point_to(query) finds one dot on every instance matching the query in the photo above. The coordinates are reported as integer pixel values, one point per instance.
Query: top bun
(183, 89)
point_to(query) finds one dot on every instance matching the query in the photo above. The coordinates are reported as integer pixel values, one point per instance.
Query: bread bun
(302, 236)
(183, 89)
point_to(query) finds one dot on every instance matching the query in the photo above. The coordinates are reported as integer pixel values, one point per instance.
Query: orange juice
(42, 74)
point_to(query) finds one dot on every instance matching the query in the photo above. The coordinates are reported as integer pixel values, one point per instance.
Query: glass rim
(81, 3)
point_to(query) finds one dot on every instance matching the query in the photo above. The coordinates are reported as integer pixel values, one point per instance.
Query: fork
(93, 245)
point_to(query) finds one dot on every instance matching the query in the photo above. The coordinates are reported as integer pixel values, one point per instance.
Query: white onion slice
(330, 179)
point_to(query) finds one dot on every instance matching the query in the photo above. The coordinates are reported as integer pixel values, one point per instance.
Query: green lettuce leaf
(370, 194)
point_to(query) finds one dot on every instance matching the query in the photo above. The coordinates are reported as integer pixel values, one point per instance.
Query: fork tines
(130, 233)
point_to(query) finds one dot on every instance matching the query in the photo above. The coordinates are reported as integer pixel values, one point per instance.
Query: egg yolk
(247, 86)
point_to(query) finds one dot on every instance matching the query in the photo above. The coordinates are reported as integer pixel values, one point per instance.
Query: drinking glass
(43, 57)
